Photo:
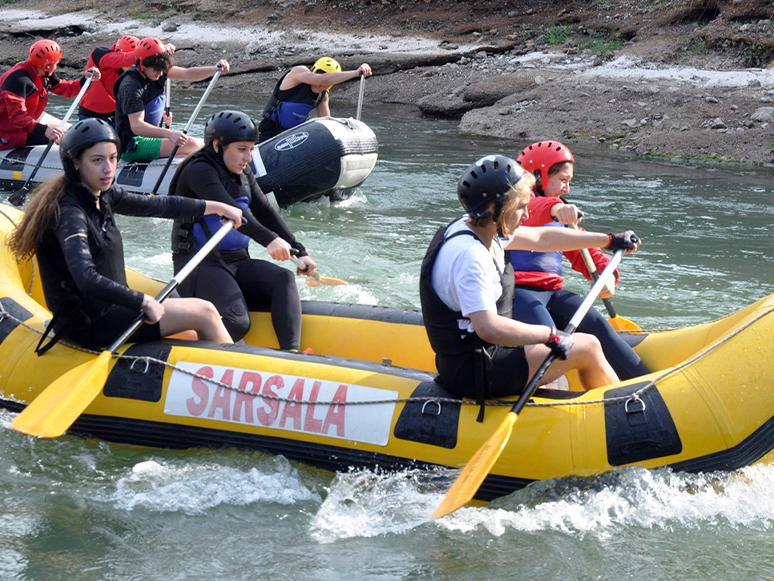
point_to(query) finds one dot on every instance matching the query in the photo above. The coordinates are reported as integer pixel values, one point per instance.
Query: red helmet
(127, 43)
(543, 155)
(45, 54)
(148, 47)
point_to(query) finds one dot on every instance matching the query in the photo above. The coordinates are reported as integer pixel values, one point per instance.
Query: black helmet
(80, 136)
(230, 126)
(486, 181)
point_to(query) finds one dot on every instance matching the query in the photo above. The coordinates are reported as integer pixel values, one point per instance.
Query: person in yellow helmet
(299, 91)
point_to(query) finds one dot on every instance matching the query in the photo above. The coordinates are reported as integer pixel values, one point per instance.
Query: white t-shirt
(464, 275)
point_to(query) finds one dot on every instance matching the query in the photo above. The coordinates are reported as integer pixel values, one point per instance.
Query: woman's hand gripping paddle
(59, 405)
(617, 322)
(315, 279)
(479, 466)
(17, 198)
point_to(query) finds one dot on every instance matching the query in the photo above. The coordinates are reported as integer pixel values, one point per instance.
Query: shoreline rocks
(495, 85)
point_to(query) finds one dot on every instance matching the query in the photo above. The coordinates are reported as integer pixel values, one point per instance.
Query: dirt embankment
(683, 78)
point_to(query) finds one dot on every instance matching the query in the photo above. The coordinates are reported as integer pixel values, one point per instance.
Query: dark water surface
(82, 510)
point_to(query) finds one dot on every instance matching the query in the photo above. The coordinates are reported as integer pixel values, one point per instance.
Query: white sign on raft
(192, 397)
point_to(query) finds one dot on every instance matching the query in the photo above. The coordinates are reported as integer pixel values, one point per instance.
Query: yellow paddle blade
(620, 324)
(331, 281)
(320, 280)
(468, 482)
(59, 405)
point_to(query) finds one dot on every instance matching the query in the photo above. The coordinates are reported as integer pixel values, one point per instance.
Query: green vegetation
(154, 10)
(699, 47)
(598, 42)
(557, 34)
(756, 57)
(140, 14)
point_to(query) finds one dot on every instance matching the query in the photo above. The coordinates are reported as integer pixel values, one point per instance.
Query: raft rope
(627, 399)
(12, 162)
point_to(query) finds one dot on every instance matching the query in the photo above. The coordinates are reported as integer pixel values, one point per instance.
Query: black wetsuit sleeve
(270, 218)
(132, 204)
(72, 233)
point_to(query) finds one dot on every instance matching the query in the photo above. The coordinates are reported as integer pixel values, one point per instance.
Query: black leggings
(542, 307)
(246, 285)
(104, 329)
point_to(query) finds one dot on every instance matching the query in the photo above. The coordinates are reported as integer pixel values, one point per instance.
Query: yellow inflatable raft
(367, 398)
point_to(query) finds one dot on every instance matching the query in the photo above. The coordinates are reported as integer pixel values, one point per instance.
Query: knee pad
(237, 320)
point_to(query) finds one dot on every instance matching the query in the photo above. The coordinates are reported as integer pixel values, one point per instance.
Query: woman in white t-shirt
(466, 289)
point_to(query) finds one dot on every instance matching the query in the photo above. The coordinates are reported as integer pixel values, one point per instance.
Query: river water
(89, 510)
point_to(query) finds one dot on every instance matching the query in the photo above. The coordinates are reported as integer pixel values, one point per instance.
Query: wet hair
(520, 189)
(41, 211)
(162, 61)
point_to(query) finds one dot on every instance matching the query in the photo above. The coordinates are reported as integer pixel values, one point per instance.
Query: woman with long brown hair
(69, 225)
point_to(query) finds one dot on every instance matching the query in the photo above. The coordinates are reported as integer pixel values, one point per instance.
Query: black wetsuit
(229, 278)
(81, 260)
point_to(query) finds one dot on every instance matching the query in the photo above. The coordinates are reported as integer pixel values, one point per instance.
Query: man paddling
(100, 101)
(299, 91)
(24, 95)
(140, 103)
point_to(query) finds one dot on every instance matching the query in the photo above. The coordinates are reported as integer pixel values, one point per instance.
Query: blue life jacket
(529, 261)
(290, 107)
(234, 240)
(239, 192)
(154, 110)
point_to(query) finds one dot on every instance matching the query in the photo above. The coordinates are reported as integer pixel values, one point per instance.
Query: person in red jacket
(100, 101)
(539, 296)
(24, 94)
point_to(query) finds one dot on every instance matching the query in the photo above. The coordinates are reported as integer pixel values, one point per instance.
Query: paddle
(17, 198)
(360, 97)
(59, 405)
(187, 128)
(618, 323)
(167, 100)
(474, 473)
(315, 279)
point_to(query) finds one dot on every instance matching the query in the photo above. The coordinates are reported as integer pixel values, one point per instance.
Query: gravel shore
(639, 97)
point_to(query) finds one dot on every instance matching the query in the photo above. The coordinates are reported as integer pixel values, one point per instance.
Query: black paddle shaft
(570, 328)
(17, 198)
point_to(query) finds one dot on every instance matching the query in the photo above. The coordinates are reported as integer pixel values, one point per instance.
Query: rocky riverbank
(655, 78)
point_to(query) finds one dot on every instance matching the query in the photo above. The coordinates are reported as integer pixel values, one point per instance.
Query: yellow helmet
(326, 65)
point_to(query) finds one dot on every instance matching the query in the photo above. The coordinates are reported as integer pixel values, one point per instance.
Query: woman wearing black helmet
(69, 224)
(466, 289)
(229, 278)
